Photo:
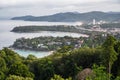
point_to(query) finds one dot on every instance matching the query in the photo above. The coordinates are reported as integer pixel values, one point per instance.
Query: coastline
(38, 54)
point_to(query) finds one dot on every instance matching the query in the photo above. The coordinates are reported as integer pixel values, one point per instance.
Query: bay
(7, 38)
(38, 54)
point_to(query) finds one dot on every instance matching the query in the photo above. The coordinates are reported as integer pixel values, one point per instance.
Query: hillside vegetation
(64, 64)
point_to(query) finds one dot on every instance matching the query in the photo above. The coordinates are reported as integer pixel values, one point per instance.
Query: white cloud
(45, 7)
(5, 3)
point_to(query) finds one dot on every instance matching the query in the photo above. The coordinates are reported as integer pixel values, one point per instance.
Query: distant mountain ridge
(73, 17)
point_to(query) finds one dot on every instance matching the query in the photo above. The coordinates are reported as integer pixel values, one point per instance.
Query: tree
(116, 66)
(109, 53)
(68, 67)
(117, 78)
(98, 73)
(3, 67)
(2, 54)
(20, 69)
(2, 75)
(11, 57)
(43, 69)
(31, 57)
(65, 49)
(58, 77)
(14, 77)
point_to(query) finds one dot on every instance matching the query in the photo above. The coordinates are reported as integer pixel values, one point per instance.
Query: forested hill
(73, 17)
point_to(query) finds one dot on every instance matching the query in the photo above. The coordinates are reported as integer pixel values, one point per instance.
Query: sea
(7, 37)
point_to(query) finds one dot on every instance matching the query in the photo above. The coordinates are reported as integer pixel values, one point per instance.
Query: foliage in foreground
(14, 77)
(64, 64)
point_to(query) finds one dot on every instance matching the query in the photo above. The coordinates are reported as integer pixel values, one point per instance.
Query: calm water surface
(7, 38)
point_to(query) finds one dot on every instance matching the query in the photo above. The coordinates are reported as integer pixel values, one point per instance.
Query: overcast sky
(11, 8)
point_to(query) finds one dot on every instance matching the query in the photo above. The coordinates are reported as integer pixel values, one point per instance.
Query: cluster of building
(76, 45)
(96, 27)
(48, 44)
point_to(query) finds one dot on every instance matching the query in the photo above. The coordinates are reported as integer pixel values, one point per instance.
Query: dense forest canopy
(64, 64)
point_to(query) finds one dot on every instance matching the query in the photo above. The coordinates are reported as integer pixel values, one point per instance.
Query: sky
(12, 8)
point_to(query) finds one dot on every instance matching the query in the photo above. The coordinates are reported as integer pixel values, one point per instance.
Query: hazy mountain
(73, 16)
(113, 12)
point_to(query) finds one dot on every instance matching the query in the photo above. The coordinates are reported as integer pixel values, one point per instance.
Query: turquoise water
(38, 54)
